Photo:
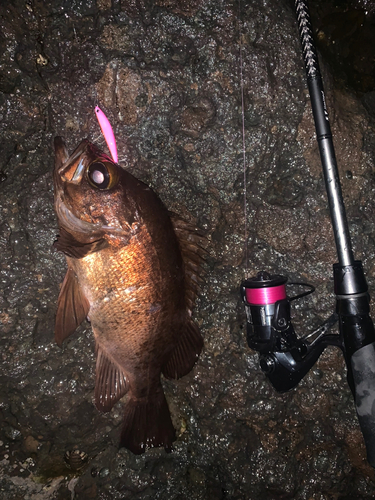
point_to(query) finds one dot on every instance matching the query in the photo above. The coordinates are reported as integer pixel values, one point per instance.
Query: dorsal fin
(72, 307)
(192, 244)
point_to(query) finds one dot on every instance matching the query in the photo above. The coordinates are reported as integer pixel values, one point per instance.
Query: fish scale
(127, 269)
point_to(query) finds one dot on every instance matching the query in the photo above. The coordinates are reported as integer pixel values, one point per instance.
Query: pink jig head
(107, 131)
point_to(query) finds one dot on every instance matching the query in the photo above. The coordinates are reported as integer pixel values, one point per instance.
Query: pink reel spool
(265, 289)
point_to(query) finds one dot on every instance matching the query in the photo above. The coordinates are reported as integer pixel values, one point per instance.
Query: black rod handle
(359, 329)
(363, 370)
(358, 334)
(324, 136)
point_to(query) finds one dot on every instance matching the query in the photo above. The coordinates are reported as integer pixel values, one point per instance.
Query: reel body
(284, 357)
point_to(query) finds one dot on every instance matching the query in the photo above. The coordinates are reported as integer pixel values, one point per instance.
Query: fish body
(134, 272)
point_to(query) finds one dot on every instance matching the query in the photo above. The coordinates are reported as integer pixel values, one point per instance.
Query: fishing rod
(284, 357)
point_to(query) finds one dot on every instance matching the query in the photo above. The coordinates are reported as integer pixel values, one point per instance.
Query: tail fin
(147, 424)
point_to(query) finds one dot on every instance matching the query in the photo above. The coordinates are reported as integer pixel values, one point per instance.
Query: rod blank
(324, 137)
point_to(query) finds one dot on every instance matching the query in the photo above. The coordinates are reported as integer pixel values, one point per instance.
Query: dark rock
(167, 75)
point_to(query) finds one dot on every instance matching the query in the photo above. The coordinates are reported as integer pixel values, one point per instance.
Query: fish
(134, 270)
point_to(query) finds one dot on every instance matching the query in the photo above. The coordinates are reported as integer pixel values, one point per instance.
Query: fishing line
(243, 143)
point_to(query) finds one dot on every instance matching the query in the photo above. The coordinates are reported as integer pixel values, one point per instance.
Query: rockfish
(134, 271)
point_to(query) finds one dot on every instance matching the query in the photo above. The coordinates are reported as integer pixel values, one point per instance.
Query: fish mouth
(71, 222)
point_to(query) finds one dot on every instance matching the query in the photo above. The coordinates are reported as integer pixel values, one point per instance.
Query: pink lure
(107, 131)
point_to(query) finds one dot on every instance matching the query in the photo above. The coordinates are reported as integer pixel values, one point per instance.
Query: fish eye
(102, 175)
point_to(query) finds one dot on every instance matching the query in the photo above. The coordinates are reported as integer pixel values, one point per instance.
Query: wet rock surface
(167, 75)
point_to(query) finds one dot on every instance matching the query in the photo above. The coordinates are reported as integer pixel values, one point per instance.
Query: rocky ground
(167, 75)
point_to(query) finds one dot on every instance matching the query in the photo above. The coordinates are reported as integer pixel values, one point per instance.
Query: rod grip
(363, 370)
(358, 334)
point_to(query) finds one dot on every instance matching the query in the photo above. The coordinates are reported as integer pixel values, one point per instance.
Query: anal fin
(147, 423)
(186, 352)
(111, 383)
(72, 307)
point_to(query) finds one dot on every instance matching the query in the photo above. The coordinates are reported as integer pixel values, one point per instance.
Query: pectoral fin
(111, 383)
(71, 247)
(72, 308)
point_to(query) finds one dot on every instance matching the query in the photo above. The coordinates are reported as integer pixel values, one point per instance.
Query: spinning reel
(284, 357)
